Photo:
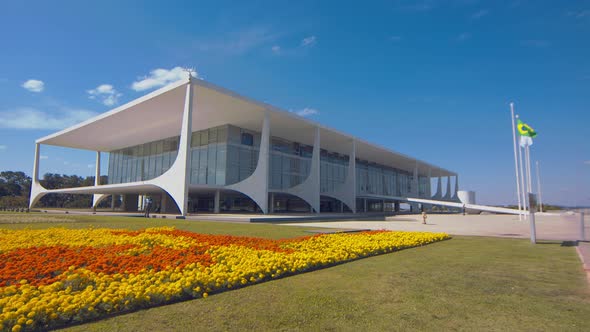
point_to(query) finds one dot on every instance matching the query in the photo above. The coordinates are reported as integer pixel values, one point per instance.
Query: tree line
(15, 190)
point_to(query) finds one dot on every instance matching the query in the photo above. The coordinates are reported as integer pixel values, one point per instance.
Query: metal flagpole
(528, 170)
(522, 187)
(516, 162)
(539, 187)
(531, 198)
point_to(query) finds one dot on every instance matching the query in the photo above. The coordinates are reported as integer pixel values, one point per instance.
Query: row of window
(227, 154)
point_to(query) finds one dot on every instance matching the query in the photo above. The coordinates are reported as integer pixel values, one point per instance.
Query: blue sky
(432, 79)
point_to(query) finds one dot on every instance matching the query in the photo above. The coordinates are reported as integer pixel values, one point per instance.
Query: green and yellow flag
(525, 130)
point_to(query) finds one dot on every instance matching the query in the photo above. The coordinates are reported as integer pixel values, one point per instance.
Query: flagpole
(529, 194)
(539, 187)
(528, 169)
(516, 162)
(522, 178)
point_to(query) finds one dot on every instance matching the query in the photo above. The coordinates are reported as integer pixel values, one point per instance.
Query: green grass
(207, 227)
(466, 283)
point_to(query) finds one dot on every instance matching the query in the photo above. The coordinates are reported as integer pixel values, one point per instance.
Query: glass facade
(289, 165)
(375, 179)
(333, 169)
(223, 155)
(142, 162)
(219, 156)
(228, 154)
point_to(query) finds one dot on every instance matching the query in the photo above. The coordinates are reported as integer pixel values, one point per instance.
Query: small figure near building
(424, 216)
(147, 207)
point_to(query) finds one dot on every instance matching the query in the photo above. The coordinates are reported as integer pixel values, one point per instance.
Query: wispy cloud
(539, 43)
(90, 165)
(276, 49)
(307, 111)
(160, 77)
(3, 147)
(395, 38)
(34, 85)
(309, 41)
(106, 94)
(479, 14)
(42, 157)
(32, 118)
(579, 13)
(587, 162)
(238, 42)
(464, 36)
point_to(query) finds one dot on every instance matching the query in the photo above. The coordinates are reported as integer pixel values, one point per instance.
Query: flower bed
(57, 276)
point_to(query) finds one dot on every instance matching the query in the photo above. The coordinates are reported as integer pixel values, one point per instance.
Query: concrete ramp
(467, 206)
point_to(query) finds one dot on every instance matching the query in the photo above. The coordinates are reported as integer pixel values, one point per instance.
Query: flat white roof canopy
(158, 115)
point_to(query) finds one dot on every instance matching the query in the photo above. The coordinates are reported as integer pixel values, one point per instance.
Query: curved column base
(256, 185)
(97, 198)
(343, 199)
(37, 192)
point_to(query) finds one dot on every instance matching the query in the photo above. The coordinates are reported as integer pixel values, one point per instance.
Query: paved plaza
(561, 227)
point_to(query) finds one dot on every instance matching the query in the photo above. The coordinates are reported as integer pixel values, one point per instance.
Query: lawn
(466, 283)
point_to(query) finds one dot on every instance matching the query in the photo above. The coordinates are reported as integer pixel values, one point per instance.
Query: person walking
(147, 206)
(424, 216)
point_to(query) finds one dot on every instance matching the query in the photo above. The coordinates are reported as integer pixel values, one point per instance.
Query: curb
(585, 260)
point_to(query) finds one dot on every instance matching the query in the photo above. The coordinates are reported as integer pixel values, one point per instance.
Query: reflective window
(247, 139)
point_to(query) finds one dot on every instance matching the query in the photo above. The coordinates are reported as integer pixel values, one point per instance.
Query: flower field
(53, 277)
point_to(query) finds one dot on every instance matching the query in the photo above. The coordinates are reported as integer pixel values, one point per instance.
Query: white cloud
(479, 14)
(34, 85)
(395, 38)
(106, 93)
(276, 49)
(579, 13)
(306, 111)
(90, 165)
(43, 157)
(309, 41)
(31, 118)
(160, 77)
(3, 147)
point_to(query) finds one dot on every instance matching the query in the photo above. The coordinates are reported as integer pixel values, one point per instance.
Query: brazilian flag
(525, 130)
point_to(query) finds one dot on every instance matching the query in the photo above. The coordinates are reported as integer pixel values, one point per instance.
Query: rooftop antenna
(189, 71)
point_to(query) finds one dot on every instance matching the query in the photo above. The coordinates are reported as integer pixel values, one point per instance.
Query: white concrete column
(309, 189)
(37, 190)
(97, 169)
(36, 163)
(455, 193)
(256, 185)
(216, 201)
(448, 192)
(346, 192)
(438, 194)
(97, 198)
(176, 180)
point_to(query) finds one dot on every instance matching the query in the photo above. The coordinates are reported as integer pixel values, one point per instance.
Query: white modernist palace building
(196, 147)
